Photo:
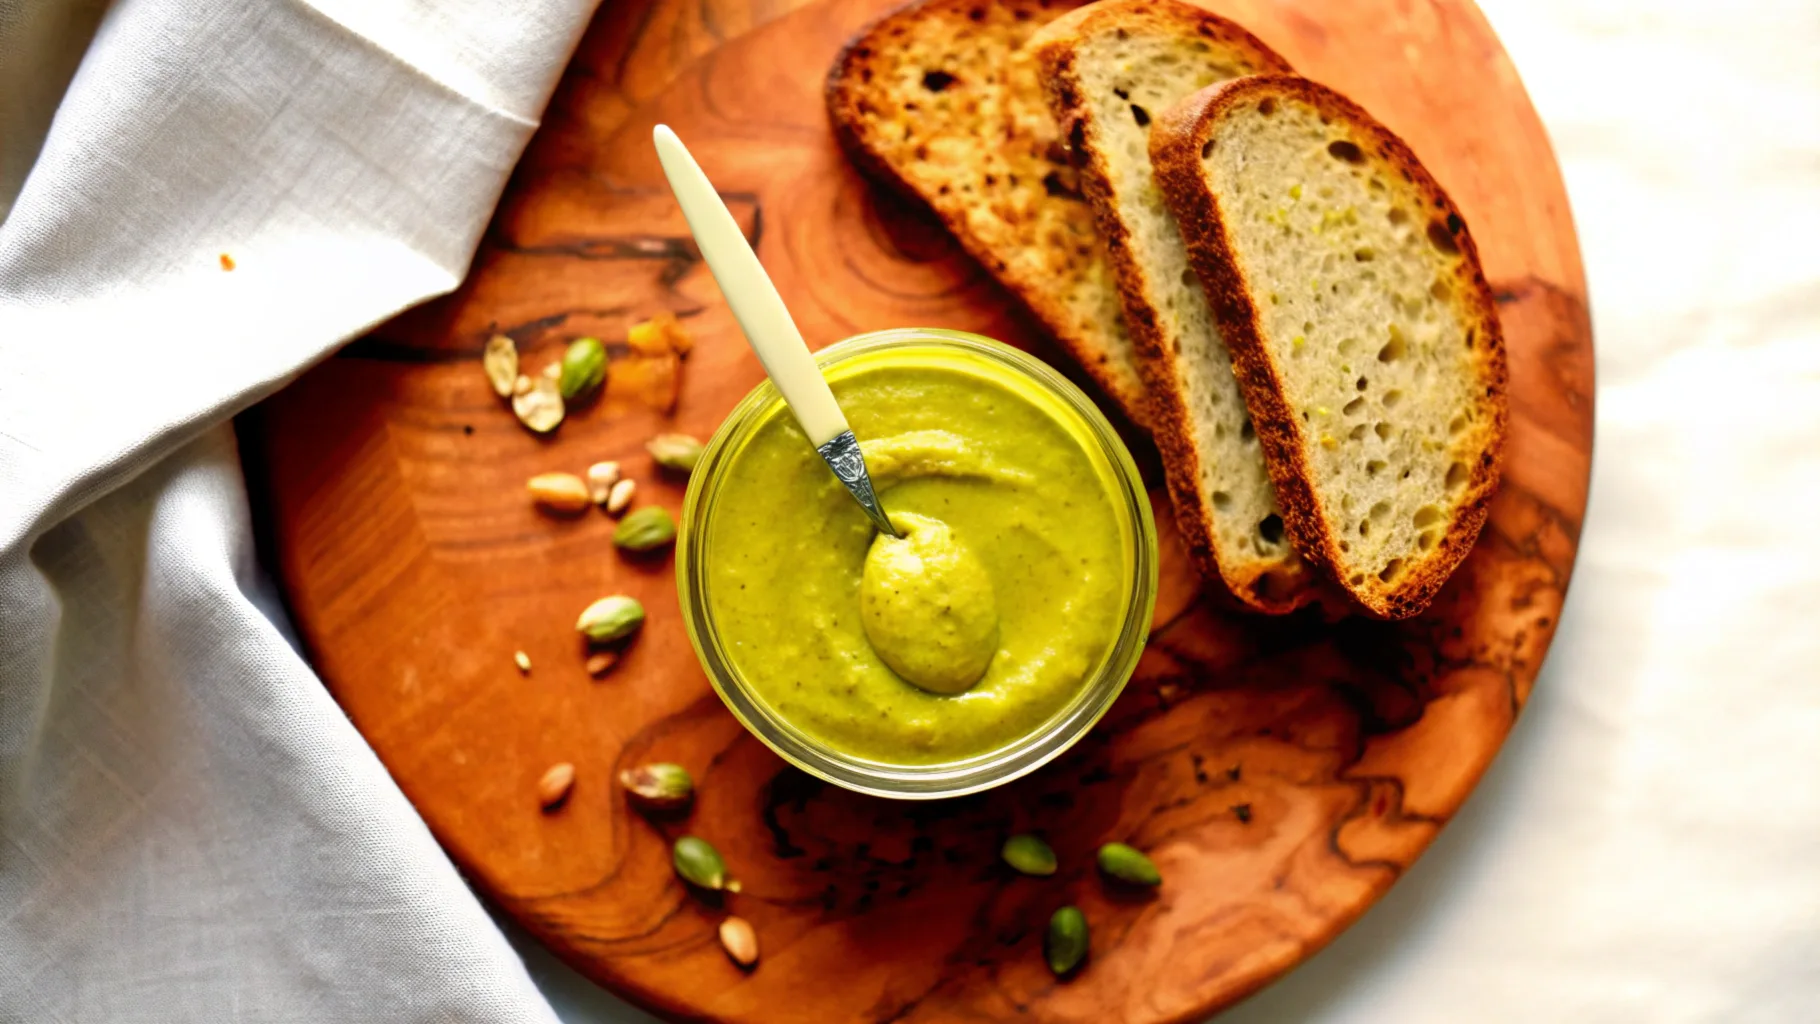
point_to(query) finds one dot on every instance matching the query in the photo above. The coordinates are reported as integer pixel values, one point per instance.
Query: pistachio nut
(559, 492)
(620, 497)
(553, 788)
(1028, 855)
(538, 405)
(659, 787)
(699, 863)
(1065, 943)
(611, 618)
(584, 368)
(647, 529)
(500, 360)
(1128, 865)
(601, 478)
(739, 940)
(679, 452)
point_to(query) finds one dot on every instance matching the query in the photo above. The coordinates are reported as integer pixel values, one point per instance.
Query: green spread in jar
(1005, 594)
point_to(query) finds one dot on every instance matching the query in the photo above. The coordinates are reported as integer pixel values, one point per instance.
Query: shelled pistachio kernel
(699, 863)
(611, 618)
(647, 529)
(583, 369)
(659, 787)
(539, 405)
(1028, 855)
(678, 452)
(1065, 943)
(1126, 864)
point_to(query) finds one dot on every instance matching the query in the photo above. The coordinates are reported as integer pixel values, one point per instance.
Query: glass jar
(1102, 683)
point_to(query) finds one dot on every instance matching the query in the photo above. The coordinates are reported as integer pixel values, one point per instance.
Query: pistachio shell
(538, 404)
(500, 360)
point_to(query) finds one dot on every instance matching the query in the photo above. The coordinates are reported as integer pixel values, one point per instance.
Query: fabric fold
(190, 829)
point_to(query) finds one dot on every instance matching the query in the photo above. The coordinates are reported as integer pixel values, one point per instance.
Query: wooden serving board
(1281, 772)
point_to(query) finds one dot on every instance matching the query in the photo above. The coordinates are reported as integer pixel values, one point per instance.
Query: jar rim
(953, 778)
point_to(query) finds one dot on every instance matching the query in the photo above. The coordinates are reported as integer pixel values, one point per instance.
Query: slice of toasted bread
(1111, 68)
(1365, 337)
(936, 100)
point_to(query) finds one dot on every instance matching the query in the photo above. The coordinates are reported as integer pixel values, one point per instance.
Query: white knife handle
(750, 294)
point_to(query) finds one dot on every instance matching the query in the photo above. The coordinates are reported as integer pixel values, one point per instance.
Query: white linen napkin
(190, 830)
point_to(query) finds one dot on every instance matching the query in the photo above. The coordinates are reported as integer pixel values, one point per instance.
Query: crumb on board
(227, 262)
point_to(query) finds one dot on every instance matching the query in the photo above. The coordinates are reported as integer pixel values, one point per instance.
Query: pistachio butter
(1005, 594)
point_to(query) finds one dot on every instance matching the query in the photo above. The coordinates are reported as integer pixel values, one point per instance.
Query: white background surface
(189, 831)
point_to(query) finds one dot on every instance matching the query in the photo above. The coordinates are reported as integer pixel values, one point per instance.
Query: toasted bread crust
(843, 92)
(846, 91)
(1170, 423)
(1176, 142)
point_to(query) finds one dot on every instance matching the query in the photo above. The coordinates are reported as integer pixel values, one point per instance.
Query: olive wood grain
(1282, 772)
